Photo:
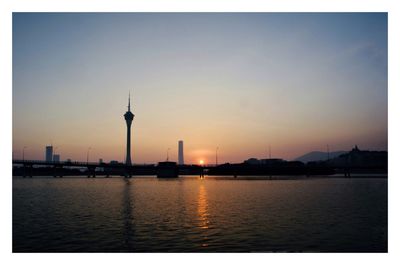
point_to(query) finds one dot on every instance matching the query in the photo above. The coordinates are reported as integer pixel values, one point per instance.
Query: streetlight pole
(167, 154)
(216, 156)
(23, 153)
(55, 148)
(327, 149)
(269, 149)
(87, 155)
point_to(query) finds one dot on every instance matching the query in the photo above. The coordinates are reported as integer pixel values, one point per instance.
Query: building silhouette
(56, 158)
(180, 153)
(49, 153)
(128, 119)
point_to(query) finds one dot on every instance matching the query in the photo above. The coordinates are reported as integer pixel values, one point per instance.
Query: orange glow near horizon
(201, 162)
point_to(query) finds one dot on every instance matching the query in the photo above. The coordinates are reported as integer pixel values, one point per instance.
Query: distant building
(180, 153)
(56, 158)
(271, 161)
(361, 159)
(49, 153)
(355, 149)
(100, 160)
(252, 161)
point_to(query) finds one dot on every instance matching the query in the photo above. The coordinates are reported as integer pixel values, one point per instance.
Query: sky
(242, 82)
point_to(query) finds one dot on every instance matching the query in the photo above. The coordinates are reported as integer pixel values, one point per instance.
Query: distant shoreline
(228, 177)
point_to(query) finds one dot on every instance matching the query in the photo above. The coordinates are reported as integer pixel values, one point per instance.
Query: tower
(180, 153)
(49, 153)
(128, 119)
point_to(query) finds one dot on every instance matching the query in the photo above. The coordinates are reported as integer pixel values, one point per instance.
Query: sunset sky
(242, 82)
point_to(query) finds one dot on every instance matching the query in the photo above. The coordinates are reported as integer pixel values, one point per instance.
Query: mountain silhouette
(318, 156)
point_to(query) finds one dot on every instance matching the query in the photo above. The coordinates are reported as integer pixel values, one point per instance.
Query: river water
(189, 214)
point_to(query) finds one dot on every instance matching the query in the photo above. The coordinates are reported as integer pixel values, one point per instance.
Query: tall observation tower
(128, 118)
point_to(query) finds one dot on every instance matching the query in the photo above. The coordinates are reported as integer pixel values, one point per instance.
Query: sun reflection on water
(202, 208)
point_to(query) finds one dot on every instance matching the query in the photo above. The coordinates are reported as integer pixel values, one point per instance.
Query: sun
(201, 162)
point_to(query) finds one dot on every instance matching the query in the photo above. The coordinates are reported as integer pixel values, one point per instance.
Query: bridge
(108, 168)
(91, 167)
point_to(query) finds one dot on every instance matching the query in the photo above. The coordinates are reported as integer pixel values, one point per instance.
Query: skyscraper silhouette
(49, 153)
(180, 153)
(128, 119)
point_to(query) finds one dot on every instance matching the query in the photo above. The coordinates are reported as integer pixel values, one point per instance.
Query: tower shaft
(128, 145)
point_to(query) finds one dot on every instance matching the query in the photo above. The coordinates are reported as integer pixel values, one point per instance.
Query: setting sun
(201, 162)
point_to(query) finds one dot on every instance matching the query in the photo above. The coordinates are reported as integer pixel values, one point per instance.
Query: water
(146, 214)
